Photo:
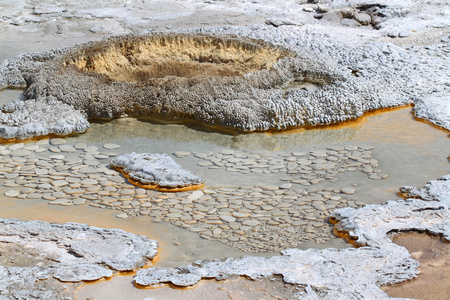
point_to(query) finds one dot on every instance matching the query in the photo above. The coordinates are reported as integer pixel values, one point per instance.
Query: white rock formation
(27, 119)
(158, 170)
(69, 252)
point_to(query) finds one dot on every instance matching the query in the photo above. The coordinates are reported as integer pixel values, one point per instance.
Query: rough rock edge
(338, 274)
(438, 113)
(34, 118)
(373, 63)
(77, 252)
(156, 171)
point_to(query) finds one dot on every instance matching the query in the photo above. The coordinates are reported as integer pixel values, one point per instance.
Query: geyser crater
(139, 59)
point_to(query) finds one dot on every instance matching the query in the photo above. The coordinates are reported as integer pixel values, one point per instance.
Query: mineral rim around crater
(218, 80)
(156, 171)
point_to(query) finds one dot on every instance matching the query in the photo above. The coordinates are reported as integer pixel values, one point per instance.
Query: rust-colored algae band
(344, 234)
(158, 187)
(357, 121)
(430, 123)
(141, 58)
(37, 138)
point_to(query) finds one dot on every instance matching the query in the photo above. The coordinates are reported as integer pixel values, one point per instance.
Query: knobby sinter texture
(216, 79)
(68, 252)
(156, 171)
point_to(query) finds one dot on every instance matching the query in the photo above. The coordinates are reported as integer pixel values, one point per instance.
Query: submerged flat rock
(157, 171)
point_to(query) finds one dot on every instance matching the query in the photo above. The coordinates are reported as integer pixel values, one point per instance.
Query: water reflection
(129, 128)
(394, 126)
(9, 95)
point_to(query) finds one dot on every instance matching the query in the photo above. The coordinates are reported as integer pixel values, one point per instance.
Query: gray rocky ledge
(69, 252)
(157, 171)
(355, 273)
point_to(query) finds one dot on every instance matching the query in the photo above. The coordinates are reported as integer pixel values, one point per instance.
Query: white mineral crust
(69, 252)
(155, 169)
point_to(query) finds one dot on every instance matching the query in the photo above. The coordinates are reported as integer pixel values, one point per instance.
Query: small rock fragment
(363, 19)
(348, 190)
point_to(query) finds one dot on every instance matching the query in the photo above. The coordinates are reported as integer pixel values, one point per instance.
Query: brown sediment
(157, 187)
(11, 88)
(94, 282)
(405, 194)
(433, 281)
(139, 59)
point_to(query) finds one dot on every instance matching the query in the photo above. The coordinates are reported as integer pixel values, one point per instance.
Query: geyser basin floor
(88, 20)
(394, 135)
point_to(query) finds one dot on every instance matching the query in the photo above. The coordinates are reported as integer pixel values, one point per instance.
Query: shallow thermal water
(410, 152)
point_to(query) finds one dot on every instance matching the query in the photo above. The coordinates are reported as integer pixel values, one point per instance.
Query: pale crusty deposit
(158, 171)
(28, 119)
(68, 252)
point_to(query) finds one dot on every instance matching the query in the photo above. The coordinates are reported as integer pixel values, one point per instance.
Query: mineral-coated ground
(330, 273)
(398, 47)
